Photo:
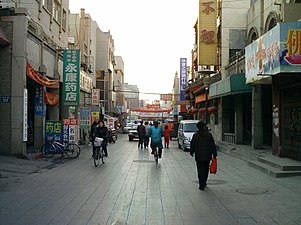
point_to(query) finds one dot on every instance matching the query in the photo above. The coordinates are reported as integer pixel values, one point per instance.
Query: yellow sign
(207, 32)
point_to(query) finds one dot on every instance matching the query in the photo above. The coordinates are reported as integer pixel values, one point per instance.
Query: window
(64, 19)
(47, 4)
(57, 11)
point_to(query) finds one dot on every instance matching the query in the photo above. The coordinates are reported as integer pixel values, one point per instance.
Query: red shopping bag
(213, 166)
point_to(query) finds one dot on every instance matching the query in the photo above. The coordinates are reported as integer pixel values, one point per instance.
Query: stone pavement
(131, 189)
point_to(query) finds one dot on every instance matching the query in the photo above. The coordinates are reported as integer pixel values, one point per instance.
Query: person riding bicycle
(101, 131)
(156, 134)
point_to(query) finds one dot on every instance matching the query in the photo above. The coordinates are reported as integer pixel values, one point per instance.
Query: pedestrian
(102, 132)
(166, 136)
(203, 146)
(141, 134)
(146, 139)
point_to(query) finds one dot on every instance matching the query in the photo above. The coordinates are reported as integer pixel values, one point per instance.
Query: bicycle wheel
(48, 150)
(96, 156)
(72, 150)
(102, 155)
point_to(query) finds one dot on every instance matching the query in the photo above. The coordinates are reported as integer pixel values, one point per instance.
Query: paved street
(131, 189)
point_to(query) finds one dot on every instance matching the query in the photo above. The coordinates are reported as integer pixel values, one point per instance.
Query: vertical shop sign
(95, 96)
(207, 43)
(183, 77)
(25, 116)
(39, 105)
(53, 131)
(71, 77)
(84, 118)
(70, 130)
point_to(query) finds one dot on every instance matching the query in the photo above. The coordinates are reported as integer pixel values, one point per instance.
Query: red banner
(39, 78)
(51, 98)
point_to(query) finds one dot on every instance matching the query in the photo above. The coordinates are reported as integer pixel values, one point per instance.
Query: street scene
(161, 112)
(131, 189)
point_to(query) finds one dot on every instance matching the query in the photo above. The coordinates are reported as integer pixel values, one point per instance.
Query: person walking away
(141, 134)
(203, 146)
(146, 138)
(156, 134)
(166, 136)
(102, 132)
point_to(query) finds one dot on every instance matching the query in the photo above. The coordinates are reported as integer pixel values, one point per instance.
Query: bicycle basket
(98, 142)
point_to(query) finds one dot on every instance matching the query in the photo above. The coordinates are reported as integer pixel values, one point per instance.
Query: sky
(150, 36)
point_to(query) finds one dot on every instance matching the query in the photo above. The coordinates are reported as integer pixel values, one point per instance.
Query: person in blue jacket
(156, 134)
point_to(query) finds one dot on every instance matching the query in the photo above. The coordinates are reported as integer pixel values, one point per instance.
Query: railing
(229, 137)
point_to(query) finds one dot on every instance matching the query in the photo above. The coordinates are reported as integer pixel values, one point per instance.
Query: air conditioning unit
(6, 4)
(71, 40)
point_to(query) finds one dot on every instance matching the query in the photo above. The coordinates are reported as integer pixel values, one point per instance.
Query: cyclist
(156, 134)
(102, 131)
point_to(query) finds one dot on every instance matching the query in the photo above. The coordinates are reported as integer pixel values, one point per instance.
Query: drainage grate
(252, 191)
(144, 161)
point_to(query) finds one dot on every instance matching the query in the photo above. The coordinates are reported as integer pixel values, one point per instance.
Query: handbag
(213, 166)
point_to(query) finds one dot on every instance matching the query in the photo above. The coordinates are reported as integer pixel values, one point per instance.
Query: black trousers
(203, 170)
(141, 141)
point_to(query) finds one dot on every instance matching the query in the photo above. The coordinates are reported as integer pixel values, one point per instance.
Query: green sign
(71, 76)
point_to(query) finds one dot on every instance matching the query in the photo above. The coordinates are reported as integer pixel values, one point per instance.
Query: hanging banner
(39, 104)
(51, 98)
(183, 77)
(71, 77)
(40, 79)
(207, 32)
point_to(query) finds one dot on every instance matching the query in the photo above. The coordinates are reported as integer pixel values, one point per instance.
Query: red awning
(151, 110)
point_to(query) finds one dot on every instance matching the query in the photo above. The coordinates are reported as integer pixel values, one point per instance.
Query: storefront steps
(277, 167)
(262, 159)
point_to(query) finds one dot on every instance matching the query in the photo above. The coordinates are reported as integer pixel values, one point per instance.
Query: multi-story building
(31, 67)
(105, 70)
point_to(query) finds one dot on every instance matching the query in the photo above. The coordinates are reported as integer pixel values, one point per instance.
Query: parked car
(133, 133)
(185, 132)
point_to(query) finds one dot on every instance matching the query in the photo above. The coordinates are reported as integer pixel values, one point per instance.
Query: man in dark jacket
(141, 134)
(203, 146)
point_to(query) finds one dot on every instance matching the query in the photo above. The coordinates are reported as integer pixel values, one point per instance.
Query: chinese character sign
(207, 43)
(95, 96)
(53, 130)
(85, 118)
(183, 77)
(39, 105)
(71, 77)
(70, 130)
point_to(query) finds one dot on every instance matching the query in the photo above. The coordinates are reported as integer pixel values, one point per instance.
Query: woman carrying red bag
(203, 146)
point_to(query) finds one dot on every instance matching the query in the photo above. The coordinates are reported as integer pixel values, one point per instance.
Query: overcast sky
(151, 37)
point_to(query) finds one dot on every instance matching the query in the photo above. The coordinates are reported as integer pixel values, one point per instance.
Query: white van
(185, 132)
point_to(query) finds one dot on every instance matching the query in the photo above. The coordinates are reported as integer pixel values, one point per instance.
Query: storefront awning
(234, 84)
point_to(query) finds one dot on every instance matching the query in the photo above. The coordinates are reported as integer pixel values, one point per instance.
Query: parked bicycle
(98, 152)
(49, 149)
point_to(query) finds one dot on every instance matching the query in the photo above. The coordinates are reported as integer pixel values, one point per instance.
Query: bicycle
(156, 155)
(49, 149)
(98, 152)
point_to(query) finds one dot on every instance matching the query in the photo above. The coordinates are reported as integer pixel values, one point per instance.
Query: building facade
(31, 67)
